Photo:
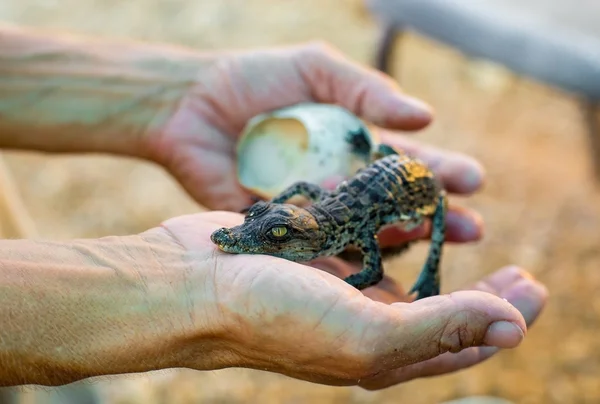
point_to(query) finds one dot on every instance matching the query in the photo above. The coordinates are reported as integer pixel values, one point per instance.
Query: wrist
(67, 94)
(187, 305)
(100, 307)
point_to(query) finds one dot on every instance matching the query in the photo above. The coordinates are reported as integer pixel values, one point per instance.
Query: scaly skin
(395, 188)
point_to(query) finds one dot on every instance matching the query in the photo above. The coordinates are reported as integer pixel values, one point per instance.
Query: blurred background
(540, 203)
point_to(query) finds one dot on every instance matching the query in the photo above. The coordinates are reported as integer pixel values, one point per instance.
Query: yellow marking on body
(416, 170)
(426, 210)
(301, 215)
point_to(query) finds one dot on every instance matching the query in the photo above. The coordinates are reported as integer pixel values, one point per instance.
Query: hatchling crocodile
(393, 189)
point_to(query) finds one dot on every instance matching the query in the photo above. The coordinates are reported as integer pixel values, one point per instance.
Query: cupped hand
(305, 322)
(197, 144)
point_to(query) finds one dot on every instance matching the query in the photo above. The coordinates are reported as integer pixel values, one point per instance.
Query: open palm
(307, 323)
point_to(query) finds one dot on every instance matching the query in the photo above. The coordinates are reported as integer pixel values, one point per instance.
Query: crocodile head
(280, 230)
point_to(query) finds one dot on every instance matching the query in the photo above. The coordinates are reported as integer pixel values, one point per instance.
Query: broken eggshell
(304, 142)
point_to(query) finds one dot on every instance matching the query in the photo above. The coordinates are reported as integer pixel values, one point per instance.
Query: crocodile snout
(223, 238)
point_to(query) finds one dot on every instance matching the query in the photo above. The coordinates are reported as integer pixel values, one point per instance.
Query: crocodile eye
(279, 231)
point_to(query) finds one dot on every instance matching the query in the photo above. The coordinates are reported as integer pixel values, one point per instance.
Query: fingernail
(469, 227)
(526, 307)
(475, 226)
(503, 334)
(527, 296)
(469, 230)
(475, 177)
(416, 108)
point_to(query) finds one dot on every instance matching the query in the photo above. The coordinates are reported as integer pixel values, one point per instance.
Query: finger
(525, 293)
(462, 319)
(514, 285)
(502, 279)
(462, 225)
(447, 323)
(366, 92)
(458, 172)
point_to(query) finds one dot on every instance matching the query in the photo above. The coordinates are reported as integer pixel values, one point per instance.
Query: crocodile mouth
(224, 239)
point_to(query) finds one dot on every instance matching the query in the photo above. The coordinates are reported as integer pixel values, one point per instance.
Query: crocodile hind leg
(311, 191)
(428, 283)
(372, 271)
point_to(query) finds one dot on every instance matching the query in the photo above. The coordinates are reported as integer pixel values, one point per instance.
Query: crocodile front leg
(383, 150)
(372, 271)
(308, 190)
(428, 283)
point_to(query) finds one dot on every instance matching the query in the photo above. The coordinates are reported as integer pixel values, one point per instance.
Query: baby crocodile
(394, 188)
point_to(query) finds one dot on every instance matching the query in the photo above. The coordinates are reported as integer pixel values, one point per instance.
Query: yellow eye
(279, 231)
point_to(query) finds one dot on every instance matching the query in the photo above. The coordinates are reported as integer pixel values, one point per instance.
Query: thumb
(366, 92)
(451, 323)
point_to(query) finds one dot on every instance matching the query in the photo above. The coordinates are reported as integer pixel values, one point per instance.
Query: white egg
(304, 142)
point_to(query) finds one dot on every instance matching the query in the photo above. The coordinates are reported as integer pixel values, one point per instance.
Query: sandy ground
(541, 207)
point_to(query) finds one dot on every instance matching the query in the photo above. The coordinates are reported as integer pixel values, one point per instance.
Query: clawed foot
(426, 286)
(364, 279)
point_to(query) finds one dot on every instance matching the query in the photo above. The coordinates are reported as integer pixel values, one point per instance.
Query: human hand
(197, 143)
(309, 324)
